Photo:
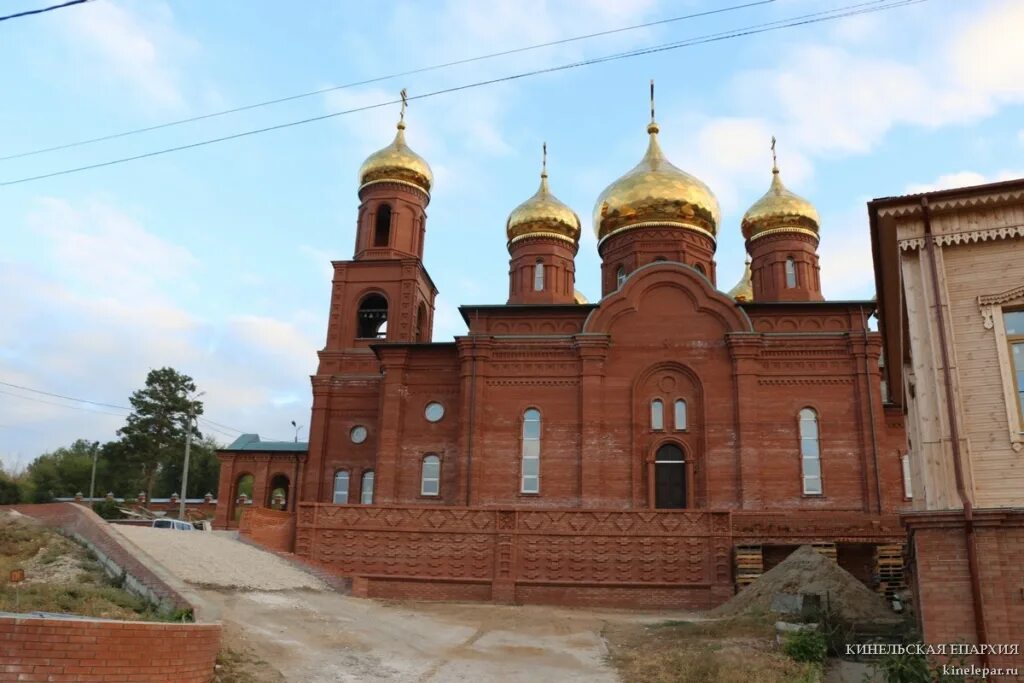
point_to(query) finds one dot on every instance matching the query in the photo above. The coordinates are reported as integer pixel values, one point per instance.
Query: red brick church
(658, 447)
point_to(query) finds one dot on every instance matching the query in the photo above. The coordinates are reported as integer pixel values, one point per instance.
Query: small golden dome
(577, 297)
(779, 210)
(656, 193)
(543, 215)
(398, 164)
(743, 292)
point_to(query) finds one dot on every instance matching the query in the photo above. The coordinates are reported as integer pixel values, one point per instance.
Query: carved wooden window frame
(992, 307)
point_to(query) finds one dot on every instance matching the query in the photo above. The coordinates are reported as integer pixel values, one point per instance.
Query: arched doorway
(669, 477)
(277, 493)
(243, 495)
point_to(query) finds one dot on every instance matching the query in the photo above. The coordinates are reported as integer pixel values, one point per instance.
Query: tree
(60, 474)
(203, 472)
(155, 431)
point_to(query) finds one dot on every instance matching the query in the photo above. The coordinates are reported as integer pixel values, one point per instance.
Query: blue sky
(216, 260)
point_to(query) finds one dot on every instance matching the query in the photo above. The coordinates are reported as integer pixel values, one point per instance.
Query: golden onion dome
(656, 194)
(396, 163)
(780, 210)
(578, 298)
(543, 215)
(743, 292)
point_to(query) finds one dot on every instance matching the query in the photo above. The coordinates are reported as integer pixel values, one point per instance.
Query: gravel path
(216, 561)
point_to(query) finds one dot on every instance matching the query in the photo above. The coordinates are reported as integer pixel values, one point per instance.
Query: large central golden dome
(396, 163)
(543, 215)
(656, 194)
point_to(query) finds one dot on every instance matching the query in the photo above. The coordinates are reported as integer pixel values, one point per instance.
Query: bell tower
(384, 293)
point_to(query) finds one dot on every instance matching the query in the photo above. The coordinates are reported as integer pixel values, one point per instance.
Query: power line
(67, 398)
(378, 79)
(95, 403)
(44, 9)
(62, 405)
(802, 20)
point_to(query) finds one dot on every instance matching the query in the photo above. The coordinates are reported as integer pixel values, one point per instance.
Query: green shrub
(806, 646)
(107, 509)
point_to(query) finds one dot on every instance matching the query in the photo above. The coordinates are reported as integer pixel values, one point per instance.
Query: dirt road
(311, 634)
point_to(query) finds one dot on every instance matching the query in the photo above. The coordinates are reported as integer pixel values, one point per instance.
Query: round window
(358, 434)
(433, 412)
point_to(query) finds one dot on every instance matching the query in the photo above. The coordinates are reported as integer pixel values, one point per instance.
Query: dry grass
(242, 666)
(738, 650)
(60, 576)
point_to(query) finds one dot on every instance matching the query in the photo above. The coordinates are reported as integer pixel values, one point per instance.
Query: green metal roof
(252, 442)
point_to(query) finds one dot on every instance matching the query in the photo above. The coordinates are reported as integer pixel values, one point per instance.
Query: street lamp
(297, 428)
(188, 446)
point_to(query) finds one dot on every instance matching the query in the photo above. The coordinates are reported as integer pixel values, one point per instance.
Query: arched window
(341, 487)
(382, 226)
(372, 318)
(531, 452)
(421, 323)
(430, 478)
(538, 276)
(366, 490)
(700, 269)
(657, 415)
(810, 451)
(790, 273)
(680, 414)
(620, 276)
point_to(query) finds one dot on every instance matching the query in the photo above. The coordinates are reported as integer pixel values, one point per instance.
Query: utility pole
(92, 480)
(188, 447)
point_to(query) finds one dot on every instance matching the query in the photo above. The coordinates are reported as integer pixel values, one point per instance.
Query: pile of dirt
(807, 571)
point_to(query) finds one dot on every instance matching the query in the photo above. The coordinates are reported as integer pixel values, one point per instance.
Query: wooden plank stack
(889, 569)
(749, 565)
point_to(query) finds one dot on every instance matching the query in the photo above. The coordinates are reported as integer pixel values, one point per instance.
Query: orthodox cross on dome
(405, 104)
(652, 100)
(775, 160)
(544, 161)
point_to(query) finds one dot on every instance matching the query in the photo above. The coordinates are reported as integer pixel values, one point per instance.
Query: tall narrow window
(382, 226)
(810, 451)
(430, 479)
(908, 491)
(680, 415)
(657, 415)
(1013, 321)
(341, 487)
(531, 452)
(884, 382)
(366, 490)
(538, 276)
(620, 276)
(790, 273)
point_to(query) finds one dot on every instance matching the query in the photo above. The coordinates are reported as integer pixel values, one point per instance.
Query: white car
(174, 524)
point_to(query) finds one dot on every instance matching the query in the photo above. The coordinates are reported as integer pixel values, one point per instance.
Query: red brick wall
(86, 651)
(942, 578)
(274, 529)
(627, 558)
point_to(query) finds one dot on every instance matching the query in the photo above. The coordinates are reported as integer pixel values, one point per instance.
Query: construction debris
(807, 572)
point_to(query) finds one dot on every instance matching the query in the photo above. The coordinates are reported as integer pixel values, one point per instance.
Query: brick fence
(91, 650)
(942, 578)
(273, 529)
(678, 559)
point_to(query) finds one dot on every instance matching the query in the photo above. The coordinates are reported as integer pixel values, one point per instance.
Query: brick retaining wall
(273, 529)
(89, 650)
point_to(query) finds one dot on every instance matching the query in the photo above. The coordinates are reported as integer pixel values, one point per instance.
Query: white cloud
(116, 304)
(137, 46)
(962, 179)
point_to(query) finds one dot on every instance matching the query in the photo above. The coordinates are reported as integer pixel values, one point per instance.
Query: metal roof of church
(252, 442)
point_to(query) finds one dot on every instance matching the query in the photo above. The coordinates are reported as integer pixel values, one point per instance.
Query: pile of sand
(809, 572)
